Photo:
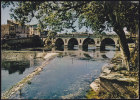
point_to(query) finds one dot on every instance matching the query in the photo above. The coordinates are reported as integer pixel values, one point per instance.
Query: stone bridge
(83, 40)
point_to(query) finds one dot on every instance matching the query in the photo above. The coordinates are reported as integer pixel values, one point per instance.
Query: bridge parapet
(84, 36)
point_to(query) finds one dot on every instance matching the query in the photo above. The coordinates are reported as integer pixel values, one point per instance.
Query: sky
(5, 16)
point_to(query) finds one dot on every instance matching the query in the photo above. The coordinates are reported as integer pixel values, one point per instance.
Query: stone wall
(19, 56)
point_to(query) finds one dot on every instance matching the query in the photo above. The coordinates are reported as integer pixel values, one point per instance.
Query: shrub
(6, 46)
(121, 68)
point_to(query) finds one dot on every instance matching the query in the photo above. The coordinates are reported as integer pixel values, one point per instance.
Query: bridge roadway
(99, 40)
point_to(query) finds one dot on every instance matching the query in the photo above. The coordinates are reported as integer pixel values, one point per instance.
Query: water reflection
(19, 61)
(104, 56)
(110, 48)
(67, 76)
(107, 47)
(15, 66)
(87, 55)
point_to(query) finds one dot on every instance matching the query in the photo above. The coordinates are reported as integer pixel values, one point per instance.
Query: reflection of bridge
(97, 54)
(84, 39)
(22, 56)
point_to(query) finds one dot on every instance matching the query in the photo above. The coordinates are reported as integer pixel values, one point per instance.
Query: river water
(13, 69)
(67, 76)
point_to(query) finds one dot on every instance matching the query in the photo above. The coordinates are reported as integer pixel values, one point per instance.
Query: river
(67, 76)
(15, 66)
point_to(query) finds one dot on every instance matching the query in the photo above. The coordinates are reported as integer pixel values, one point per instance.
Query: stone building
(33, 30)
(15, 29)
(20, 30)
(7, 30)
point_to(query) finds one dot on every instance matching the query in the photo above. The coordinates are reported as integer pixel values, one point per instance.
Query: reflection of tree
(87, 56)
(104, 56)
(14, 66)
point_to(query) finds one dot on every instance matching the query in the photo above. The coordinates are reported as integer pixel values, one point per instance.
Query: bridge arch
(59, 44)
(48, 42)
(106, 41)
(72, 43)
(87, 42)
(45, 41)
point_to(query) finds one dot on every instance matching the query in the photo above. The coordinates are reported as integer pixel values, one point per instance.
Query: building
(33, 30)
(15, 29)
(20, 30)
(7, 30)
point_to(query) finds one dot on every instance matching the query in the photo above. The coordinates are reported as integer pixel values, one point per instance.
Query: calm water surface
(13, 70)
(67, 76)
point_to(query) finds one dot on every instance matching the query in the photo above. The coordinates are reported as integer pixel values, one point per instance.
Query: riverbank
(28, 78)
(21, 43)
(115, 82)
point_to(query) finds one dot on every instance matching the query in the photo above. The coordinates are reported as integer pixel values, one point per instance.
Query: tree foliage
(98, 15)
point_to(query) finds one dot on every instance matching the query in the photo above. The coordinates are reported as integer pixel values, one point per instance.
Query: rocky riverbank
(28, 78)
(115, 82)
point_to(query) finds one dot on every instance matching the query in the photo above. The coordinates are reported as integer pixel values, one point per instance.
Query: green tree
(98, 15)
(103, 33)
(50, 35)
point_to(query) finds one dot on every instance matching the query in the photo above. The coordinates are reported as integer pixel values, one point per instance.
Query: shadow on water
(87, 56)
(84, 59)
(104, 56)
(15, 66)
